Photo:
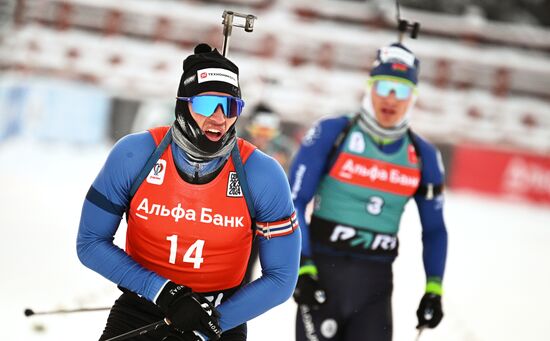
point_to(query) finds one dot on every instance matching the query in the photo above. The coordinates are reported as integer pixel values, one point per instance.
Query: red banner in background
(502, 173)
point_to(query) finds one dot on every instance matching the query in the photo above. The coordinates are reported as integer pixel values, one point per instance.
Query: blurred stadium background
(106, 68)
(83, 73)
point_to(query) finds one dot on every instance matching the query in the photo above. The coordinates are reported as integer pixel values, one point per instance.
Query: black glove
(178, 335)
(188, 311)
(429, 311)
(308, 290)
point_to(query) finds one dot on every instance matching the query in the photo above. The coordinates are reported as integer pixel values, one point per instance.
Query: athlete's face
(215, 126)
(389, 110)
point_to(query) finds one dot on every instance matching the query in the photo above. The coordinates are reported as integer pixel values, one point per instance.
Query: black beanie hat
(208, 70)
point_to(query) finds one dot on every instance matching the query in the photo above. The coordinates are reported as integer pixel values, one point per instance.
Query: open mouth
(213, 134)
(388, 111)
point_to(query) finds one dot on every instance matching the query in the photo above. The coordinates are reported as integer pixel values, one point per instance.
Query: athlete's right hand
(188, 311)
(177, 335)
(308, 289)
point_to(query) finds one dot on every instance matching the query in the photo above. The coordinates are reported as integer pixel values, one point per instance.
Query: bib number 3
(193, 254)
(375, 204)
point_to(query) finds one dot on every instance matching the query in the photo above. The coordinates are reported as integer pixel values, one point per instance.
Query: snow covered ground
(496, 286)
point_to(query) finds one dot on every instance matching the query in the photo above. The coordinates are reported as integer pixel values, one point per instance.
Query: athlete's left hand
(308, 290)
(429, 311)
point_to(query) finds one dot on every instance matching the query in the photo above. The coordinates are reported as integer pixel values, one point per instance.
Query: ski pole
(228, 24)
(420, 330)
(142, 330)
(29, 312)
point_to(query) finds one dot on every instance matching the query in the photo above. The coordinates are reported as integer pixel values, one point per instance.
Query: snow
(496, 285)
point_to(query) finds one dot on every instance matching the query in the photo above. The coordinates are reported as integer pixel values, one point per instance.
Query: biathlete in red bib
(195, 197)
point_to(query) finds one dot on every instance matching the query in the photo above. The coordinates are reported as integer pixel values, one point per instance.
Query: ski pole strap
(151, 162)
(241, 175)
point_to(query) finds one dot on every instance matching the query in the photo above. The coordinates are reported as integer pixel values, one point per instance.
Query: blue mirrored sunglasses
(206, 105)
(385, 87)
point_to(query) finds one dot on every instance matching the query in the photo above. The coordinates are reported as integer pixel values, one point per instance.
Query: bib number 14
(193, 254)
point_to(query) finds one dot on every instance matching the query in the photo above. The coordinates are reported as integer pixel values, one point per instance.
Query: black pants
(358, 306)
(131, 312)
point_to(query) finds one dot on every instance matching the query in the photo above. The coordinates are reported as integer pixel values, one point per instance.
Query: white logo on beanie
(217, 75)
(391, 53)
(189, 80)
